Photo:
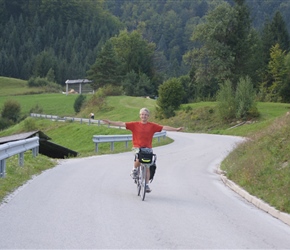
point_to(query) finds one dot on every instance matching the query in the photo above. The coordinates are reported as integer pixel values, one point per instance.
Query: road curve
(91, 203)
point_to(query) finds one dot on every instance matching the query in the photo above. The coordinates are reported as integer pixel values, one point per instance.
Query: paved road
(92, 203)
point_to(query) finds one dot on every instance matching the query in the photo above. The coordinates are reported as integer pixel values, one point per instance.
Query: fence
(119, 138)
(72, 119)
(18, 147)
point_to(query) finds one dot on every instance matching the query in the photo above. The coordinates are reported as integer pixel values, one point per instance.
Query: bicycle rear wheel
(143, 182)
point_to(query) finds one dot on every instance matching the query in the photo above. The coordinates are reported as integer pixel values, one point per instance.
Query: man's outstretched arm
(168, 128)
(119, 124)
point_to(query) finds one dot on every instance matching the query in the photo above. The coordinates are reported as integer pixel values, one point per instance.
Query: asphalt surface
(92, 203)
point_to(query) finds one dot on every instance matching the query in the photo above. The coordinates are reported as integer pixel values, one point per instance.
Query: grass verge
(261, 165)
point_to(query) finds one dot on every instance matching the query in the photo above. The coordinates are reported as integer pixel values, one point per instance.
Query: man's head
(144, 114)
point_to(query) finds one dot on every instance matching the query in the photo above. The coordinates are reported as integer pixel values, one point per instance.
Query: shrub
(170, 95)
(79, 103)
(5, 123)
(44, 83)
(37, 82)
(239, 104)
(226, 102)
(36, 109)
(111, 90)
(29, 124)
(245, 98)
(11, 110)
(98, 100)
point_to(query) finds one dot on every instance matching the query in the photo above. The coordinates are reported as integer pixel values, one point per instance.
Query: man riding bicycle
(142, 135)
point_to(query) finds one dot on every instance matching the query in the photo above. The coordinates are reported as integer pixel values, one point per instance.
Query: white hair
(144, 109)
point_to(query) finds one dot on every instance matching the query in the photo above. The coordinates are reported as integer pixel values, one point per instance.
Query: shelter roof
(78, 81)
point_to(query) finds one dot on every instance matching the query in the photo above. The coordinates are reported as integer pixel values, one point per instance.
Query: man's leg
(134, 170)
(148, 189)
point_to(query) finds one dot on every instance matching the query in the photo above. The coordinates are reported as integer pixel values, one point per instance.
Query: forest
(138, 45)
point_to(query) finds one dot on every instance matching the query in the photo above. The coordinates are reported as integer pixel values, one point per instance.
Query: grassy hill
(12, 87)
(260, 165)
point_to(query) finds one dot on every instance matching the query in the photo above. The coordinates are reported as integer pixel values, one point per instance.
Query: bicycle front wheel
(143, 182)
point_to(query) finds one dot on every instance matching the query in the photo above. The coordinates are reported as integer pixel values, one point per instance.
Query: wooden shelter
(78, 82)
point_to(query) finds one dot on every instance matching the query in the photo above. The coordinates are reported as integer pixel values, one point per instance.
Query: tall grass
(261, 165)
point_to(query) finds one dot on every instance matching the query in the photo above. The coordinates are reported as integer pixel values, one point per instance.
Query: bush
(5, 123)
(245, 98)
(36, 109)
(30, 124)
(37, 82)
(79, 103)
(111, 90)
(44, 83)
(239, 104)
(11, 111)
(170, 95)
(98, 100)
(226, 102)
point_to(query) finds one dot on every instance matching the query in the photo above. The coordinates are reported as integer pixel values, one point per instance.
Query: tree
(43, 62)
(280, 33)
(277, 71)
(106, 69)
(274, 32)
(170, 95)
(137, 85)
(50, 75)
(241, 41)
(224, 45)
(285, 90)
(134, 52)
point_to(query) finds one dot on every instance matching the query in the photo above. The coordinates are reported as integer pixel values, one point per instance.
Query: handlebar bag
(145, 155)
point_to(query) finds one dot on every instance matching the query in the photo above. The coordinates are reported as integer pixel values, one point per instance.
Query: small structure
(78, 82)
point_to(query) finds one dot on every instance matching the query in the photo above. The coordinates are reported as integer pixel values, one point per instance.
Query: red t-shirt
(143, 133)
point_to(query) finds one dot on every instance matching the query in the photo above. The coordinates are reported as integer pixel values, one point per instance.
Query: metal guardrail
(120, 138)
(66, 118)
(18, 147)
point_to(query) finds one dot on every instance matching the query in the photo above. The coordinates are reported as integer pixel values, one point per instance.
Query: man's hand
(106, 121)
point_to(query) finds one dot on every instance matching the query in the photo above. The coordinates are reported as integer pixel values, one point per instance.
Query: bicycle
(146, 158)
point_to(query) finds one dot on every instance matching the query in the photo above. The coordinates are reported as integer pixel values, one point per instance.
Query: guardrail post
(2, 168)
(112, 146)
(126, 143)
(97, 147)
(21, 159)
(35, 151)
